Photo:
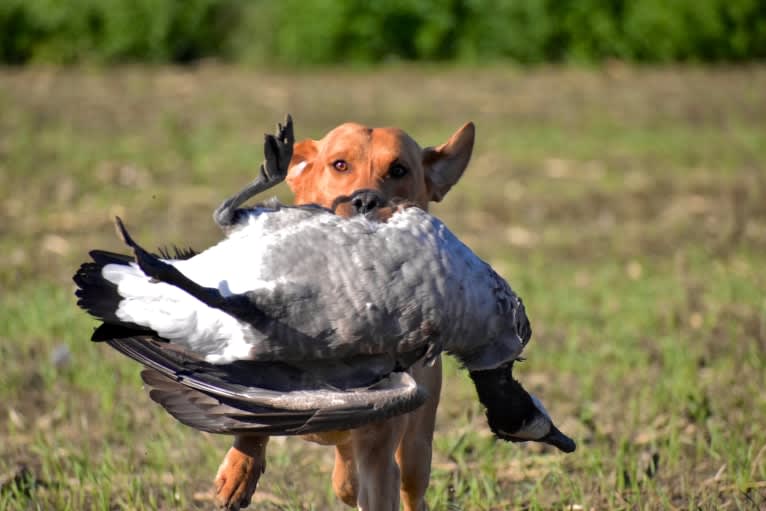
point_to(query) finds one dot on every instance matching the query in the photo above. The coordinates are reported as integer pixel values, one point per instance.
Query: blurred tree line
(302, 32)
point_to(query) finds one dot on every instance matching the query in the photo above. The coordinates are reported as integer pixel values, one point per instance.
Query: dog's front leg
(374, 448)
(345, 482)
(414, 453)
(239, 472)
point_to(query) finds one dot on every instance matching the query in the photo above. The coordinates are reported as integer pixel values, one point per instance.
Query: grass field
(627, 206)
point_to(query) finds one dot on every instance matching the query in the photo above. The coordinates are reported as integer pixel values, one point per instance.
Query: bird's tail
(110, 280)
(99, 296)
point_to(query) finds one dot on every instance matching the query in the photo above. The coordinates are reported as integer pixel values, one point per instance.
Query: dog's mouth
(370, 203)
(361, 202)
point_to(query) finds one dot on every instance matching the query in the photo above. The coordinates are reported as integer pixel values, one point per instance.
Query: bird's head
(514, 414)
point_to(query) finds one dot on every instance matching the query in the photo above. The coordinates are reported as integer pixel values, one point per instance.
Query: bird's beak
(558, 439)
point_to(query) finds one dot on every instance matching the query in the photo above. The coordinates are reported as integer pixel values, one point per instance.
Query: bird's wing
(291, 284)
(329, 292)
(231, 398)
(342, 287)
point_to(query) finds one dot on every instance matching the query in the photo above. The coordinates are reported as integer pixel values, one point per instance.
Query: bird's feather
(261, 397)
(300, 320)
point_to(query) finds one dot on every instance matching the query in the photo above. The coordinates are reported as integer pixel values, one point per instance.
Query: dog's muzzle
(361, 202)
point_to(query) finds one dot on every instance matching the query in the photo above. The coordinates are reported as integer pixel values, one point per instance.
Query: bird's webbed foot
(277, 151)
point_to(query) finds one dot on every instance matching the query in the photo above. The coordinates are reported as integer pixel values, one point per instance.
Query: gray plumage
(301, 320)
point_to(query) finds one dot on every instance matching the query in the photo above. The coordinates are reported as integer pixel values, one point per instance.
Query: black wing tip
(104, 257)
(122, 232)
(116, 331)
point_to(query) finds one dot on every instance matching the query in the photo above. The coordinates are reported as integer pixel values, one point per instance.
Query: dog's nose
(365, 201)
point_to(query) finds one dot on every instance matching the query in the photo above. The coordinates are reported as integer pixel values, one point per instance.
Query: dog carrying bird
(303, 321)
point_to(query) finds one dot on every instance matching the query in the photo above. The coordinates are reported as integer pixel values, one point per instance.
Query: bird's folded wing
(220, 399)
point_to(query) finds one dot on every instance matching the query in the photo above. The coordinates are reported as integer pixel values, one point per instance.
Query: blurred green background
(362, 32)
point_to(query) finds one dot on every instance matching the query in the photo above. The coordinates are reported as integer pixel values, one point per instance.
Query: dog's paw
(237, 479)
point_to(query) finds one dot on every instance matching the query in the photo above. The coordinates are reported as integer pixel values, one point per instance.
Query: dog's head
(376, 166)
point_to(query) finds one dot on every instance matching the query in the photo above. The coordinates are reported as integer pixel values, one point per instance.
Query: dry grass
(627, 206)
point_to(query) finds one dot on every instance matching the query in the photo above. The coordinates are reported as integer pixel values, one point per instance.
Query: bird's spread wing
(231, 398)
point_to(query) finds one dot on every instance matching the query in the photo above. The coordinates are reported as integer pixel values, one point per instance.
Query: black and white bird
(302, 321)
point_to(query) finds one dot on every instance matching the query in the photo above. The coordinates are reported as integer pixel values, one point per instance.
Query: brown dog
(376, 463)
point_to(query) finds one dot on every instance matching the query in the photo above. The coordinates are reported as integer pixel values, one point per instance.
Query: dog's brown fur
(377, 463)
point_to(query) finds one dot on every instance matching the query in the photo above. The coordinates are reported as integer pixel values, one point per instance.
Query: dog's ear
(304, 153)
(445, 164)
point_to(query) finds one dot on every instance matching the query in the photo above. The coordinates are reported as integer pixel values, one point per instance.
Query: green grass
(627, 206)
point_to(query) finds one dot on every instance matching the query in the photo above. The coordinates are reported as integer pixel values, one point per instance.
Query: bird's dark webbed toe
(278, 151)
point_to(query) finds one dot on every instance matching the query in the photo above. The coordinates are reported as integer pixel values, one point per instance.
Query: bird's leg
(277, 150)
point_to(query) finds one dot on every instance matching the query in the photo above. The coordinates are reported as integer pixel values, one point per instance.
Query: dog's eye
(397, 171)
(340, 165)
